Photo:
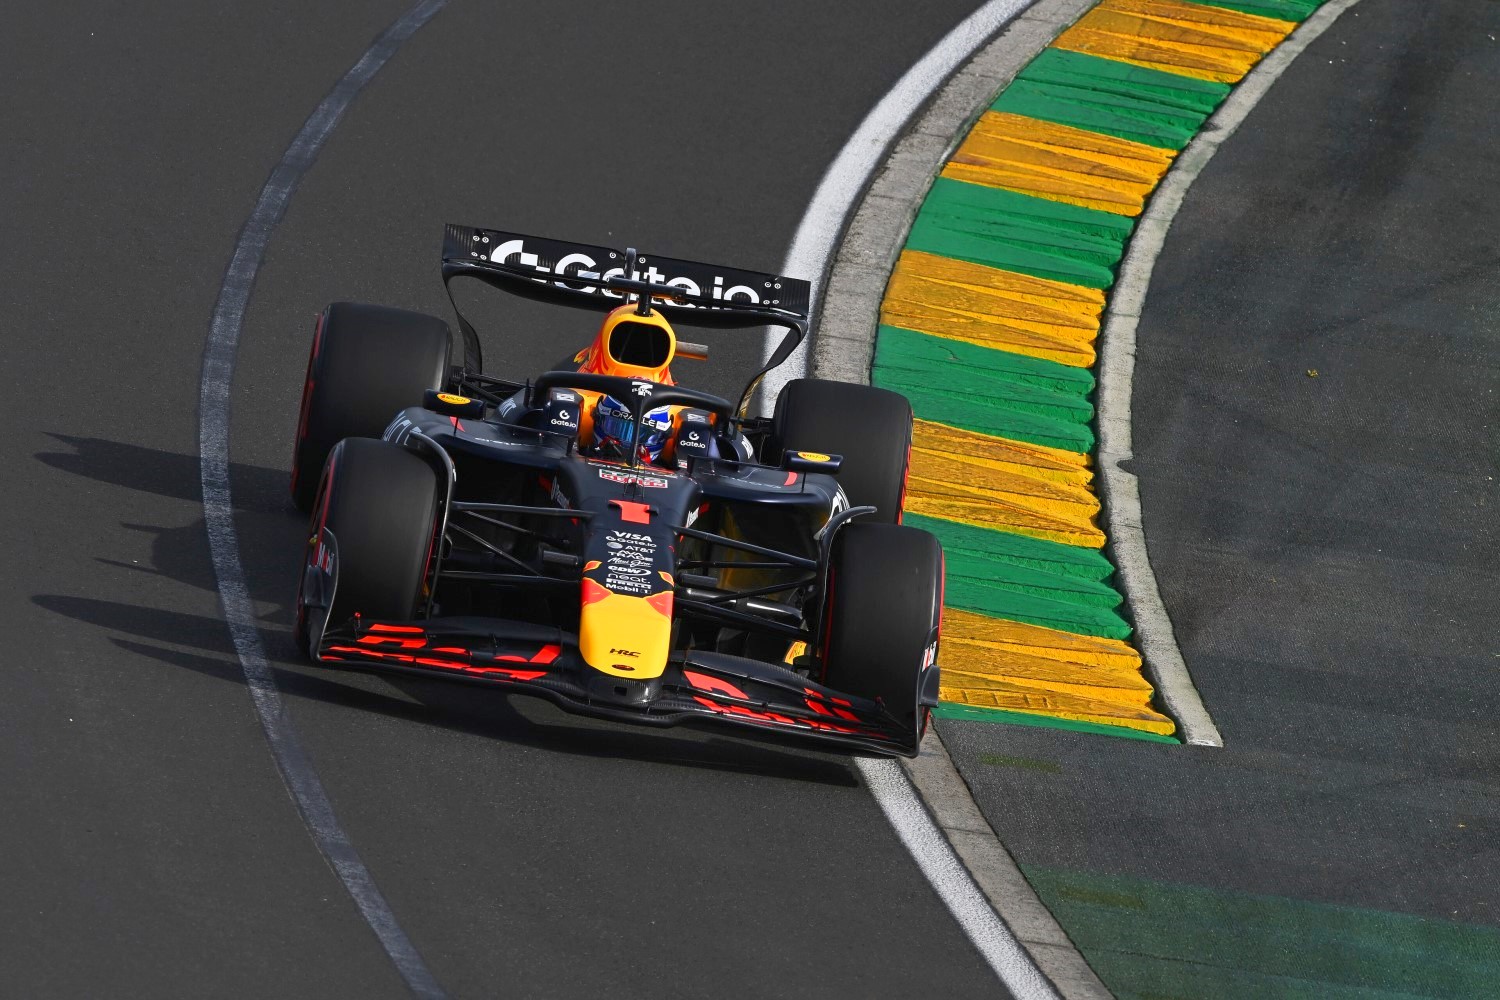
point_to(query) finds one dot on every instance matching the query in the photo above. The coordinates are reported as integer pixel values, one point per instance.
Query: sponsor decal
(581, 264)
(632, 555)
(814, 456)
(626, 478)
(399, 429)
(454, 399)
(561, 410)
(623, 652)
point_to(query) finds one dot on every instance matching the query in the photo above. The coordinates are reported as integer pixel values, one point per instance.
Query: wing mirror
(811, 461)
(453, 405)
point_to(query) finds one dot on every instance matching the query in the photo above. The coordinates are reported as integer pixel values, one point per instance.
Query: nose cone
(623, 635)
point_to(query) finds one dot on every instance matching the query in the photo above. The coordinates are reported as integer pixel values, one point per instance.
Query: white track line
(213, 448)
(1153, 628)
(955, 886)
(849, 174)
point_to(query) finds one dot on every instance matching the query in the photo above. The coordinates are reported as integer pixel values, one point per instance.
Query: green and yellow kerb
(989, 325)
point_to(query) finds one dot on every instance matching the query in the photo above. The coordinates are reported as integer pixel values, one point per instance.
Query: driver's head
(615, 430)
(632, 345)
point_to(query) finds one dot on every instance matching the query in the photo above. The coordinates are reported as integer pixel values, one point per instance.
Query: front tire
(367, 363)
(869, 427)
(380, 502)
(885, 605)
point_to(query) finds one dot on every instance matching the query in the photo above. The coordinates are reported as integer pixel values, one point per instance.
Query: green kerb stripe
(1024, 579)
(1115, 98)
(898, 348)
(1008, 592)
(1016, 232)
(1157, 939)
(1004, 395)
(1282, 10)
(971, 549)
(974, 713)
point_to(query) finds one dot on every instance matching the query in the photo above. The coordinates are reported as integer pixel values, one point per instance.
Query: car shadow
(461, 708)
(164, 473)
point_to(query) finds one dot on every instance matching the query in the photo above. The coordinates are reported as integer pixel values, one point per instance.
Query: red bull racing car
(603, 537)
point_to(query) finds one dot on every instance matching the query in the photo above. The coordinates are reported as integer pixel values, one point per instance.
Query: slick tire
(381, 506)
(367, 363)
(885, 603)
(869, 427)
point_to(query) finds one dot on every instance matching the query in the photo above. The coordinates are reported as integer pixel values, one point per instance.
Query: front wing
(698, 686)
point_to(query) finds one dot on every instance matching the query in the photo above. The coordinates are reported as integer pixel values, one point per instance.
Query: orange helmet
(632, 345)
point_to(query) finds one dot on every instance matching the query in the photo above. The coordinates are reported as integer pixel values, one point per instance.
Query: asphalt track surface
(1326, 546)
(150, 847)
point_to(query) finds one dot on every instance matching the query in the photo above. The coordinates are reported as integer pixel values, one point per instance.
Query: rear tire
(869, 427)
(381, 507)
(367, 363)
(885, 600)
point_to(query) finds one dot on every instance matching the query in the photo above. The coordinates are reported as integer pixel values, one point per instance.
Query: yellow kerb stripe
(997, 483)
(1191, 39)
(1059, 163)
(992, 308)
(992, 663)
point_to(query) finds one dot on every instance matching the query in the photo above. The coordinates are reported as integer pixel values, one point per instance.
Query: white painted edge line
(1121, 490)
(219, 350)
(995, 873)
(953, 882)
(926, 800)
(846, 178)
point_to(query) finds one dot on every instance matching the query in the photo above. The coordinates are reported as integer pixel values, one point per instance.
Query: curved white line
(213, 448)
(846, 178)
(1127, 538)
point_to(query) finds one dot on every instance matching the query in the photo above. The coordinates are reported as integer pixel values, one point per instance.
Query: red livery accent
(821, 709)
(391, 640)
(547, 654)
(661, 602)
(380, 654)
(397, 628)
(633, 513)
(791, 479)
(748, 713)
(593, 591)
(707, 682)
(515, 675)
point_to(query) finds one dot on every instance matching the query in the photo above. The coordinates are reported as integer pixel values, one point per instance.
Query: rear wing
(600, 278)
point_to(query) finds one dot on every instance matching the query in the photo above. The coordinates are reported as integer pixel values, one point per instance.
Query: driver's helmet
(614, 429)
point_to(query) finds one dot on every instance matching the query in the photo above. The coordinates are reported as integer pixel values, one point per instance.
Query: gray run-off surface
(1327, 546)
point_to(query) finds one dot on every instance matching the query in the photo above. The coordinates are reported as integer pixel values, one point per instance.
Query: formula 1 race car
(603, 537)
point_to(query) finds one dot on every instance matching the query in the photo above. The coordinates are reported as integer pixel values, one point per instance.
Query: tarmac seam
(1121, 489)
(843, 349)
(220, 347)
